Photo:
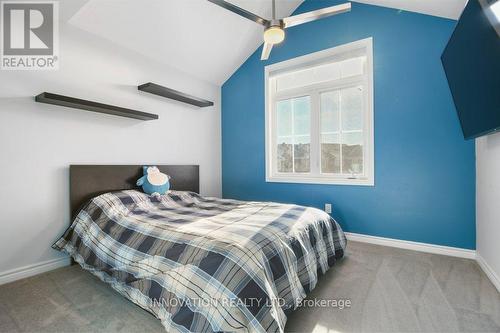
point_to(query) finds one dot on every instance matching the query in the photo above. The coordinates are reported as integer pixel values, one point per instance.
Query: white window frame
(333, 54)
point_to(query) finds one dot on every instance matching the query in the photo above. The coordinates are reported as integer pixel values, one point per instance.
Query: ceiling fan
(274, 32)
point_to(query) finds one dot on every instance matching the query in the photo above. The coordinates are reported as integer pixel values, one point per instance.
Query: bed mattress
(205, 264)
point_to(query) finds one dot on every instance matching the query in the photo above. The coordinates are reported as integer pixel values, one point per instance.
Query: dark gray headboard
(88, 181)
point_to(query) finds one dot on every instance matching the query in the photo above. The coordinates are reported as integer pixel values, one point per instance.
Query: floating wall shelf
(77, 103)
(156, 89)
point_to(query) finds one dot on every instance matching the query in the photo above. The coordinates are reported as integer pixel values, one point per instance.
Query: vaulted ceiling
(197, 36)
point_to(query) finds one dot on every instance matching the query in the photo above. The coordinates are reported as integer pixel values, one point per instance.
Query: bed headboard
(88, 181)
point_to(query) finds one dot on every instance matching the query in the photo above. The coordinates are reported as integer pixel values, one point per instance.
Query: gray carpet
(391, 290)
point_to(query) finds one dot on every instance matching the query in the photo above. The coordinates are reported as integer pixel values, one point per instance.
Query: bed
(198, 264)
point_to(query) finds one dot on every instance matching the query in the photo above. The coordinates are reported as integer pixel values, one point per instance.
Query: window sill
(320, 180)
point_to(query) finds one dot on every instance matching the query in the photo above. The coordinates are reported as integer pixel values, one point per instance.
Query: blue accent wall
(424, 170)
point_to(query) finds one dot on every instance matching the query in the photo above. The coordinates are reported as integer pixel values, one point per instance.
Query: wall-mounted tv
(472, 64)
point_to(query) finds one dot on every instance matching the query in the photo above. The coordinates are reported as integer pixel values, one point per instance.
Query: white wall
(38, 142)
(488, 204)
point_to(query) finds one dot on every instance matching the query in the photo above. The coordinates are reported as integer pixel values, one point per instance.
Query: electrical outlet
(328, 208)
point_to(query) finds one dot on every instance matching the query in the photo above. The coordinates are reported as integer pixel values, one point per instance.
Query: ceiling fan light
(274, 35)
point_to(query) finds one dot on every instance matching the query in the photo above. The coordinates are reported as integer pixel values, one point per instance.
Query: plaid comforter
(205, 264)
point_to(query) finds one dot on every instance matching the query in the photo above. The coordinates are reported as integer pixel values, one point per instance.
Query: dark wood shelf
(156, 89)
(83, 104)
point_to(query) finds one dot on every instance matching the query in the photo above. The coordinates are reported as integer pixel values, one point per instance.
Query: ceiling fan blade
(266, 51)
(241, 12)
(316, 15)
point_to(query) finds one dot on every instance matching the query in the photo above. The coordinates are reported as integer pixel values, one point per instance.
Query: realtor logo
(30, 36)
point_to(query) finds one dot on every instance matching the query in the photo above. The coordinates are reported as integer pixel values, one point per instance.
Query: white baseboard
(30, 270)
(415, 246)
(490, 273)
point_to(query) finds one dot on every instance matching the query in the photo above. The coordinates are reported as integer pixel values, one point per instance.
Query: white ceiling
(443, 8)
(68, 8)
(200, 38)
(194, 36)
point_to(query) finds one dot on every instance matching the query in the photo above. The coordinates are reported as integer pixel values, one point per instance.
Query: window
(319, 117)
